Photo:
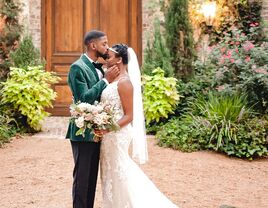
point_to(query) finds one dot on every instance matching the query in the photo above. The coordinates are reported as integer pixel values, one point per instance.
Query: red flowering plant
(242, 65)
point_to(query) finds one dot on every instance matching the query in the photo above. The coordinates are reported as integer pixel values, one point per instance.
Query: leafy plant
(10, 31)
(160, 95)
(6, 129)
(250, 16)
(179, 37)
(29, 91)
(26, 54)
(241, 65)
(229, 126)
(200, 84)
(157, 54)
(252, 139)
(218, 117)
(179, 133)
(222, 123)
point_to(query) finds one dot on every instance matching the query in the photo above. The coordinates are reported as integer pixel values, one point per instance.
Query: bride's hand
(100, 132)
(112, 73)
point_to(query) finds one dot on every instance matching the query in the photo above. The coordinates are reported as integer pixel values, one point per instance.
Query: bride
(124, 185)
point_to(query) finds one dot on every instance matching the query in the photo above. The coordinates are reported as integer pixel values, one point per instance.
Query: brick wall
(265, 15)
(150, 11)
(31, 19)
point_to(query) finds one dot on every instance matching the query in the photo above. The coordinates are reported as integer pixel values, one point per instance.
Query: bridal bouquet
(97, 116)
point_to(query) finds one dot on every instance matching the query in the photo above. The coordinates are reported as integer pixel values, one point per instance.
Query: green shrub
(250, 14)
(26, 54)
(222, 123)
(240, 65)
(9, 36)
(29, 92)
(251, 141)
(157, 54)
(218, 118)
(7, 130)
(198, 85)
(179, 37)
(8, 125)
(179, 134)
(160, 96)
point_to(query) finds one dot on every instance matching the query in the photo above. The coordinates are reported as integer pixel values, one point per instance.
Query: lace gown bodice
(124, 185)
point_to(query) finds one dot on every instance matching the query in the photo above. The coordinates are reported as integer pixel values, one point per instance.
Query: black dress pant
(86, 164)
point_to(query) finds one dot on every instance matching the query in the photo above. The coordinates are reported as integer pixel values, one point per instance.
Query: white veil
(139, 142)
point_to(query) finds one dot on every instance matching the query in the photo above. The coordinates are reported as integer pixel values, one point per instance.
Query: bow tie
(97, 65)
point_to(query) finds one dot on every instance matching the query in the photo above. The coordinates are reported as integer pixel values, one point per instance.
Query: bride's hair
(121, 51)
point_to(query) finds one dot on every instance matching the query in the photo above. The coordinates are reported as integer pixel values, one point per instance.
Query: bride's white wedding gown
(124, 185)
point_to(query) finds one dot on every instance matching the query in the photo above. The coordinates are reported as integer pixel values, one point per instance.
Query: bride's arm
(125, 90)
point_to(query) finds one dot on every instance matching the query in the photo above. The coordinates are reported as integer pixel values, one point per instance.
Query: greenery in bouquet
(100, 115)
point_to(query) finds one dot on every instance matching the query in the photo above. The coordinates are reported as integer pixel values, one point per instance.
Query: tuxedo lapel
(90, 66)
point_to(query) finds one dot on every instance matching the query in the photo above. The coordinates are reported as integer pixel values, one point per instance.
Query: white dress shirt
(97, 70)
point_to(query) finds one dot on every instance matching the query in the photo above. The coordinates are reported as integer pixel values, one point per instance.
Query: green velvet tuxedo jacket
(86, 87)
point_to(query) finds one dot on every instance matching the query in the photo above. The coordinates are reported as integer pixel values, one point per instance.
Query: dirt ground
(37, 173)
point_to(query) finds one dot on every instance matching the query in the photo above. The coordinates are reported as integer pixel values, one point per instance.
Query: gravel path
(37, 173)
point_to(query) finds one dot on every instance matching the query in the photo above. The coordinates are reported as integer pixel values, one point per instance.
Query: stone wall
(265, 15)
(150, 11)
(31, 19)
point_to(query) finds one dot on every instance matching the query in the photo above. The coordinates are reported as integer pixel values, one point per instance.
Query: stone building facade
(265, 15)
(31, 18)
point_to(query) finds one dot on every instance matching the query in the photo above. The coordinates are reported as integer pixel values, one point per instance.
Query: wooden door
(64, 23)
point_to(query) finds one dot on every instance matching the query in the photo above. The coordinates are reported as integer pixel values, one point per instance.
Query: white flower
(79, 122)
(97, 115)
(99, 108)
(73, 112)
(101, 119)
(83, 106)
(90, 108)
(88, 117)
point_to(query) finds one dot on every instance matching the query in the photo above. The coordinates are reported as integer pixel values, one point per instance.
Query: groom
(87, 80)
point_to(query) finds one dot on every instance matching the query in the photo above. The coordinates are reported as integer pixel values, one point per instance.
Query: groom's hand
(111, 73)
